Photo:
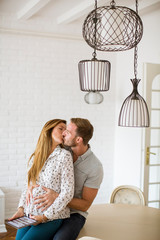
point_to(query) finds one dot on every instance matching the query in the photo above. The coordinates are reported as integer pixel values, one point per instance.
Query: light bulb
(93, 98)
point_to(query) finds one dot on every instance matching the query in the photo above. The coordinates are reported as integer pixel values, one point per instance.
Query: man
(88, 177)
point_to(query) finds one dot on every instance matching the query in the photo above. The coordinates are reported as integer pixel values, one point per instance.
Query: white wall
(39, 81)
(128, 162)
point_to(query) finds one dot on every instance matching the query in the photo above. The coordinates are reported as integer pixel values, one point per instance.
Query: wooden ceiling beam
(31, 8)
(78, 11)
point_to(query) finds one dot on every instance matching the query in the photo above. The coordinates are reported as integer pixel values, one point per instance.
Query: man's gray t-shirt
(88, 172)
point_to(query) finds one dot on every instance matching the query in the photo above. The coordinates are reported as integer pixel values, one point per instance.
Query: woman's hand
(18, 214)
(39, 219)
(29, 193)
(47, 199)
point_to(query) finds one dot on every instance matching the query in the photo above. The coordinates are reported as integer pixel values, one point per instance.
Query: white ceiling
(57, 16)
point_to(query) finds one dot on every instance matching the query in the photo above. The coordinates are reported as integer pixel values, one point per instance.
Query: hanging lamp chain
(94, 54)
(136, 48)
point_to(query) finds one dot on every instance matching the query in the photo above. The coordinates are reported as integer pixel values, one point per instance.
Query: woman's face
(57, 131)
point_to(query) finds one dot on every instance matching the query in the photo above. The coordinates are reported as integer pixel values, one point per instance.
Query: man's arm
(83, 204)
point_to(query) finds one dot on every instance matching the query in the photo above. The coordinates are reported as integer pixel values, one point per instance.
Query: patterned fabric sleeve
(67, 187)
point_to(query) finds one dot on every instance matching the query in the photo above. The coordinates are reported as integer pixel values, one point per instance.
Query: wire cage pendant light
(116, 28)
(94, 77)
(94, 74)
(134, 110)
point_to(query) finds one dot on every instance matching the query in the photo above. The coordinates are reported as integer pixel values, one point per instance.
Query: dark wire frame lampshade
(116, 28)
(94, 75)
(134, 111)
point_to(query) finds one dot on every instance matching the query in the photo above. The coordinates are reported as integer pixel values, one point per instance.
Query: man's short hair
(84, 129)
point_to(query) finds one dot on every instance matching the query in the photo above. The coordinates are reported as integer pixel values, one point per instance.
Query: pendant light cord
(95, 30)
(136, 48)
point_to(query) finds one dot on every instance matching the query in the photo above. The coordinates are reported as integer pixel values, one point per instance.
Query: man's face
(69, 135)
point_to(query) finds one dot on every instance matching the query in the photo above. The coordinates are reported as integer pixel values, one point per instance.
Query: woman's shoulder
(64, 155)
(65, 152)
(61, 154)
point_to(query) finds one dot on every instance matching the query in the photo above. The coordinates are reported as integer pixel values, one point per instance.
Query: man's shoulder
(92, 158)
(90, 164)
(94, 164)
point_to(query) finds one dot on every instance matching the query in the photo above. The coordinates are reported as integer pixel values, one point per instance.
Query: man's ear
(79, 139)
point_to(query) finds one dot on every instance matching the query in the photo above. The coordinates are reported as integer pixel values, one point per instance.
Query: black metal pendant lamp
(134, 111)
(116, 28)
(94, 78)
(94, 74)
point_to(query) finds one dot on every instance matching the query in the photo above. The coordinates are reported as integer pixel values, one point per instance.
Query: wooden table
(122, 222)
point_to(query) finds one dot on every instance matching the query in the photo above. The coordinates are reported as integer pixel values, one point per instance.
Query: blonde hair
(42, 150)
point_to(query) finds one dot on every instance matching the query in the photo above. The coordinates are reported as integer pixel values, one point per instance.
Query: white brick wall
(39, 81)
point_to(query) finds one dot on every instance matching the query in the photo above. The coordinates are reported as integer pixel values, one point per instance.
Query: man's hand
(19, 213)
(29, 193)
(47, 199)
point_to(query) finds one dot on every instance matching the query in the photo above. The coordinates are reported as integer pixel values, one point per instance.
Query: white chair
(127, 195)
(89, 238)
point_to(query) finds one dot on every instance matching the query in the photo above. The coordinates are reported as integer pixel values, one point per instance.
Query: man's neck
(78, 151)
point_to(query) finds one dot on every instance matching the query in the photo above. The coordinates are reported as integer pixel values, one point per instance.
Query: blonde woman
(51, 167)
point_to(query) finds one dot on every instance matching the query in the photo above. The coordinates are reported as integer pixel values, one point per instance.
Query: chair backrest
(127, 195)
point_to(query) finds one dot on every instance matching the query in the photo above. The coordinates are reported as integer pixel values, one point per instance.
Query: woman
(51, 167)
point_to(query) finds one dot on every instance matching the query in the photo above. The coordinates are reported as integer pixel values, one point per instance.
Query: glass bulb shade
(93, 98)
(112, 28)
(94, 75)
(134, 111)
